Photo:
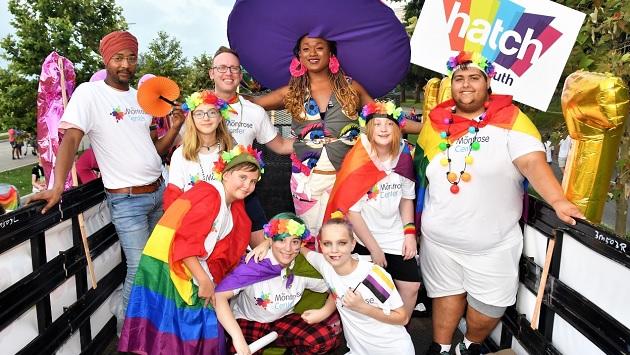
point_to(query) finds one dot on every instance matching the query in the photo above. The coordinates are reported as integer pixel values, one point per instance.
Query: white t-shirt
(565, 147)
(380, 208)
(364, 334)
(222, 225)
(119, 133)
(250, 123)
(185, 173)
(484, 215)
(270, 300)
(548, 150)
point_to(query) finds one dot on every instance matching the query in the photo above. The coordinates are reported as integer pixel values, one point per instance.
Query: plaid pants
(294, 333)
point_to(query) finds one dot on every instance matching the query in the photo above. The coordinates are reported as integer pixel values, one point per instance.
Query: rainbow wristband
(409, 228)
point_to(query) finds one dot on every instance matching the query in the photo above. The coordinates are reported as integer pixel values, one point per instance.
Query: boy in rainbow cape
(201, 237)
(473, 155)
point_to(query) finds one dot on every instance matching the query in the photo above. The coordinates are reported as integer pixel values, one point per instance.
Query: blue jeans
(134, 217)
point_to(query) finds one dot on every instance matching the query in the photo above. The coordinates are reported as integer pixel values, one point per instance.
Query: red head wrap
(115, 42)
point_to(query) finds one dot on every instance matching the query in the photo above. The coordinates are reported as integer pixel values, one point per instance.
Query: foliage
(164, 58)
(198, 77)
(18, 100)
(603, 38)
(73, 28)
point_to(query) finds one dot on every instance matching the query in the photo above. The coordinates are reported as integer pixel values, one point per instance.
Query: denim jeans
(134, 217)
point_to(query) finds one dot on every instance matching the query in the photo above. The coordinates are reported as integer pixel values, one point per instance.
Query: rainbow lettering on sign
(501, 31)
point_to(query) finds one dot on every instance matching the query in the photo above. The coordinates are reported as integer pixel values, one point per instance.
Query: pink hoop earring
(296, 68)
(333, 64)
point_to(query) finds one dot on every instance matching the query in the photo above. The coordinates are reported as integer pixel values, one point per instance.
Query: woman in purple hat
(371, 46)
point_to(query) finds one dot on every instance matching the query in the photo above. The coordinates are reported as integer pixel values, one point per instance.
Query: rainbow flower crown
(475, 60)
(238, 154)
(384, 109)
(207, 97)
(284, 226)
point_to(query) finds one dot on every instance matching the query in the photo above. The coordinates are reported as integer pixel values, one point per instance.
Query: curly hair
(299, 87)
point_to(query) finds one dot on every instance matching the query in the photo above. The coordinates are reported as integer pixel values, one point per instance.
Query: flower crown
(283, 227)
(238, 154)
(475, 60)
(386, 109)
(207, 97)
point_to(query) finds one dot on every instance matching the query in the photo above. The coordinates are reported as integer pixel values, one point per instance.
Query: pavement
(6, 163)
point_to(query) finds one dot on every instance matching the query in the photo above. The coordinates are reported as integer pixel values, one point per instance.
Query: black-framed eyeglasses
(118, 59)
(199, 115)
(224, 68)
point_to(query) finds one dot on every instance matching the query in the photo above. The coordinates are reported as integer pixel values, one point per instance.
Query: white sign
(529, 41)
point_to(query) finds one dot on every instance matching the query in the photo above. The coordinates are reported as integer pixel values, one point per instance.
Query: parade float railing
(47, 304)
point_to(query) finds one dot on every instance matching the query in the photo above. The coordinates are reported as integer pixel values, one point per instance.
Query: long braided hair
(299, 88)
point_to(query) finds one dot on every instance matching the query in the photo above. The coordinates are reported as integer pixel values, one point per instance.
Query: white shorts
(490, 278)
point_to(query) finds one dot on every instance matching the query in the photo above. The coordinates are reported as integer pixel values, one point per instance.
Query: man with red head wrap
(127, 151)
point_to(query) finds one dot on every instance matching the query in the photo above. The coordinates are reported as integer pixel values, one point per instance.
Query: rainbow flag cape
(358, 174)
(501, 113)
(164, 315)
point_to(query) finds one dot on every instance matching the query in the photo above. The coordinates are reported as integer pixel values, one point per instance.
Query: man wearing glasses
(127, 151)
(250, 123)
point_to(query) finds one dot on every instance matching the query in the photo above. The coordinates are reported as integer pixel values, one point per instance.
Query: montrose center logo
(503, 32)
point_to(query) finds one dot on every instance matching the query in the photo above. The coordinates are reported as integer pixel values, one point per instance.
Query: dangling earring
(296, 68)
(333, 64)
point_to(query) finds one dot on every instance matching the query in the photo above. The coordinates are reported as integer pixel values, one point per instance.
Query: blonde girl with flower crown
(376, 189)
(205, 137)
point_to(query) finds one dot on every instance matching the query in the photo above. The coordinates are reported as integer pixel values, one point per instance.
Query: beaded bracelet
(409, 228)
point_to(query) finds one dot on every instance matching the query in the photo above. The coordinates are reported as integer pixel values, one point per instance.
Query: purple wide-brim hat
(372, 45)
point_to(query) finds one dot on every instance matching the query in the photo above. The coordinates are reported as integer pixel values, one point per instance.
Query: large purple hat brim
(372, 45)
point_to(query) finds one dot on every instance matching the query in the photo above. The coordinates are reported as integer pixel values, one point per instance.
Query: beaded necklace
(205, 177)
(453, 178)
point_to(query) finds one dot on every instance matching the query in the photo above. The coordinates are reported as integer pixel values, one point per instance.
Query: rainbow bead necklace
(453, 178)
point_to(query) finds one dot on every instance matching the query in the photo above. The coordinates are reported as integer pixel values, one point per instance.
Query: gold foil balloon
(445, 90)
(595, 107)
(430, 96)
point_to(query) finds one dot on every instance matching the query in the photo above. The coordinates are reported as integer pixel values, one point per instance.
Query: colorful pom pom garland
(207, 97)
(470, 59)
(382, 109)
(238, 154)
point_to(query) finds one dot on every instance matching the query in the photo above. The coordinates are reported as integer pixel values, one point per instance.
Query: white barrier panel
(19, 333)
(72, 346)
(534, 245)
(570, 341)
(15, 264)
(599, 279)
(62, 297)
(58, 238)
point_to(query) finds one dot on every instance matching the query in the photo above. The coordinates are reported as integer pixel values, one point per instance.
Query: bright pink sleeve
(86, 164)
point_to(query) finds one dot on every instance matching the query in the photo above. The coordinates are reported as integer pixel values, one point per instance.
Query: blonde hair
(192, 142)
(347, 96)
(394, 148)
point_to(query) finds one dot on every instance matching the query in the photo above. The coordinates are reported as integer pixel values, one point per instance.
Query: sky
(199, 25)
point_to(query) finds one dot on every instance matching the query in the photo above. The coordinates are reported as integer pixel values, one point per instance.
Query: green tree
(198, 78)
(164, 58)
(17, 100)
(73, 28)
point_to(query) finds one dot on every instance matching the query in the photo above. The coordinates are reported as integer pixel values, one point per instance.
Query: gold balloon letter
(595, 107)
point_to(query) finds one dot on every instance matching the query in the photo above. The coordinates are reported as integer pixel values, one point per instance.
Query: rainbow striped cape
(358, 174)
(501, 113)
(164, 315)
